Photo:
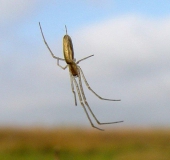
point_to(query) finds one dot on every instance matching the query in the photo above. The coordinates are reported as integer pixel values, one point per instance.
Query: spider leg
(60, 65)
(48, 46)
(84, 59)
(85, 101)
(80, 98)
(88, 86)
(72, 87)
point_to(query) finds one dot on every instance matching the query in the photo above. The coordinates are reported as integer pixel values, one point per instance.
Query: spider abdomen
(68, 49)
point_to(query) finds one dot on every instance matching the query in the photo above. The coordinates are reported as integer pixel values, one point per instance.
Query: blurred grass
(76, 144)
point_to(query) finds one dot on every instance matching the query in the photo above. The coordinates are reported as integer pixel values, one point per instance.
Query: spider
(76, 72)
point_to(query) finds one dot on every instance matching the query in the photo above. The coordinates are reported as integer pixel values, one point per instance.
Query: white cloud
(128, 42)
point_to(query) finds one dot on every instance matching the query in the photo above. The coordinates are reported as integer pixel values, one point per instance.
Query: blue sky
(130, 41)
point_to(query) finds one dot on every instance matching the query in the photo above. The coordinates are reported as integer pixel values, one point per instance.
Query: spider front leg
(81, 102)
(85, 101)
(72, 87)
(88, 86)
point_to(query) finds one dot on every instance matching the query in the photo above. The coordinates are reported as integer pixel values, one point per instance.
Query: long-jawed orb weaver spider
(76, 71)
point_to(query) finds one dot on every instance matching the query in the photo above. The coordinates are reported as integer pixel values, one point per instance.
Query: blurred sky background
(130, 41)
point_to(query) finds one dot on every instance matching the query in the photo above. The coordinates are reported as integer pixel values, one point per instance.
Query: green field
(81, 144)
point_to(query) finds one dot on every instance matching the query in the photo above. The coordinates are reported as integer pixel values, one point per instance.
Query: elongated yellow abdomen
(68, 49)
